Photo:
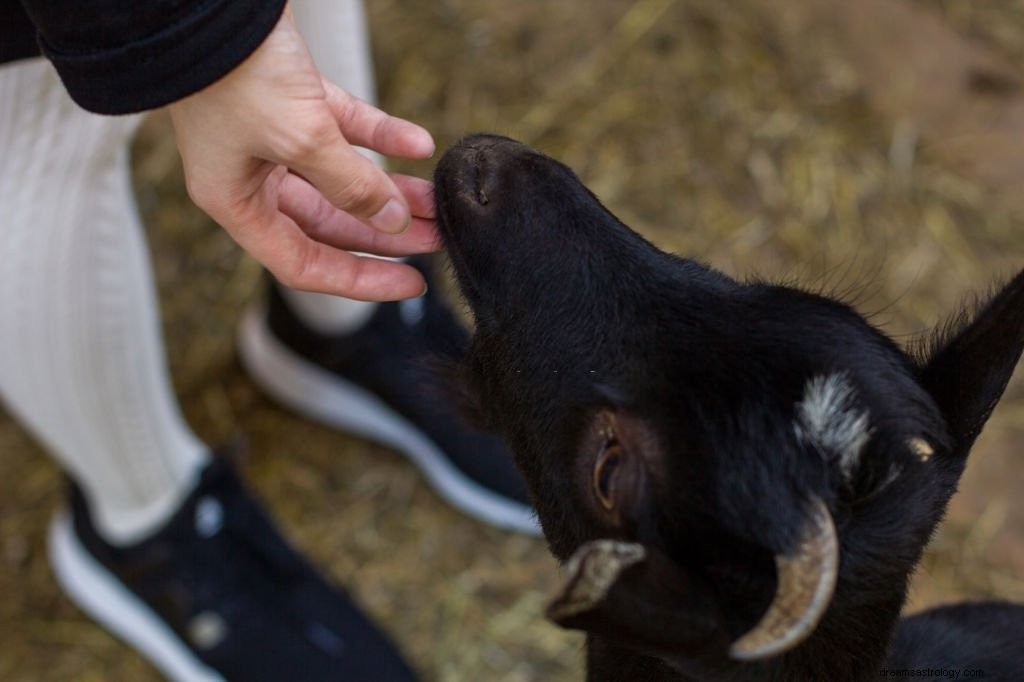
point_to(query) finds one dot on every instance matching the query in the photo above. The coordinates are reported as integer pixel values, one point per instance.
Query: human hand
(267, 152)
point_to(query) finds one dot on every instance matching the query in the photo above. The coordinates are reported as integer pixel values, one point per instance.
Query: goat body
(740, 477)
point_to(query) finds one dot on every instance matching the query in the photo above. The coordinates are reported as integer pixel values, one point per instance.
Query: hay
(706, 125)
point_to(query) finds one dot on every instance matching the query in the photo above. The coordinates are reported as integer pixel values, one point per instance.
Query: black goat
(740, 477)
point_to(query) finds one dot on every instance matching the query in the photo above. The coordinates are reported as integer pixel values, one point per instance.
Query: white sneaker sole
(331, 400)
(109, 602)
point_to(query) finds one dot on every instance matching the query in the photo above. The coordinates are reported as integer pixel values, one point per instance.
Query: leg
(162, 543)
(83, 362)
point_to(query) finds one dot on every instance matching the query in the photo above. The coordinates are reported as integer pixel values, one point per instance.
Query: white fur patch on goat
(921, 448)
(828, 418)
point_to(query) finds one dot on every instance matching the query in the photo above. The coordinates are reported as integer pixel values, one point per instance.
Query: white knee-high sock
(81, 354)
(337, 36)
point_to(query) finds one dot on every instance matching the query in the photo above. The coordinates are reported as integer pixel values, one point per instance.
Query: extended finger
(418, 193)
(325, 223)
(350, 181)
(297, 261)
(367, 126)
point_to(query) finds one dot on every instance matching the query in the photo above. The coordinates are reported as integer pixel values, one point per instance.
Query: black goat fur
(651, 399)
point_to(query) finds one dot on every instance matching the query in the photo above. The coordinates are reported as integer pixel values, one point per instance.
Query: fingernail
(393, 218)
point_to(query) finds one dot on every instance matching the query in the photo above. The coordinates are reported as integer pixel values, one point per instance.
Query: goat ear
(620, 456)
(967, 372)
(637, 597)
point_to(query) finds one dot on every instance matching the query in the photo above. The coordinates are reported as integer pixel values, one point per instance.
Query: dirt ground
(789, 140)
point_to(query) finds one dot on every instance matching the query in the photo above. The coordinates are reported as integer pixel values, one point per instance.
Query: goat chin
(740, 476)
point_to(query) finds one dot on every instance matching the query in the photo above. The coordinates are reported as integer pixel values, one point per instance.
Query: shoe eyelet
(207, 629)
(326, 639)
(209, 517)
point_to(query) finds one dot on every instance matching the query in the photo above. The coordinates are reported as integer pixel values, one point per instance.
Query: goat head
(739, 476)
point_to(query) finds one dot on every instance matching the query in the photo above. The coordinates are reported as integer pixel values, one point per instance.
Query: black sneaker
(377, 382)
(218, 595)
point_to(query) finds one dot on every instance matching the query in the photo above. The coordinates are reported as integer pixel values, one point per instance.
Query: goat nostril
(481, 195)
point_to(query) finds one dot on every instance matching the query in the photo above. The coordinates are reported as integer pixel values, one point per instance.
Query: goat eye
(605, 469)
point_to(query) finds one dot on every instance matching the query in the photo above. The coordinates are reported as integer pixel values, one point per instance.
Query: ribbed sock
(81, 353)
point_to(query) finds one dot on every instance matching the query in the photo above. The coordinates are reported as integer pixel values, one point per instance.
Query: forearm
(114, 61)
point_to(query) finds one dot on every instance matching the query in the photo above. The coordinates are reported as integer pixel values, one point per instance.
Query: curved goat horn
(806, 580)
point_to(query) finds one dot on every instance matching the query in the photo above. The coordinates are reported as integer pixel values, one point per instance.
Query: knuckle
(302, 142)
(296, 145)
(319, 220)
(298, 271)
(358, 194)
(288, 277)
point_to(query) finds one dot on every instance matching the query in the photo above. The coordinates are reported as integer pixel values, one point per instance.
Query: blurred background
(873, 149)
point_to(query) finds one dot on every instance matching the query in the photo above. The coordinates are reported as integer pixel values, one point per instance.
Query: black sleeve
(122, 56)
(17, 34)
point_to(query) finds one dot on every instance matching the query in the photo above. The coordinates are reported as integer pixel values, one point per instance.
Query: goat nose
(470, 170)
(485, 176)
(483, 167)
(474, 177)
(490, 144)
